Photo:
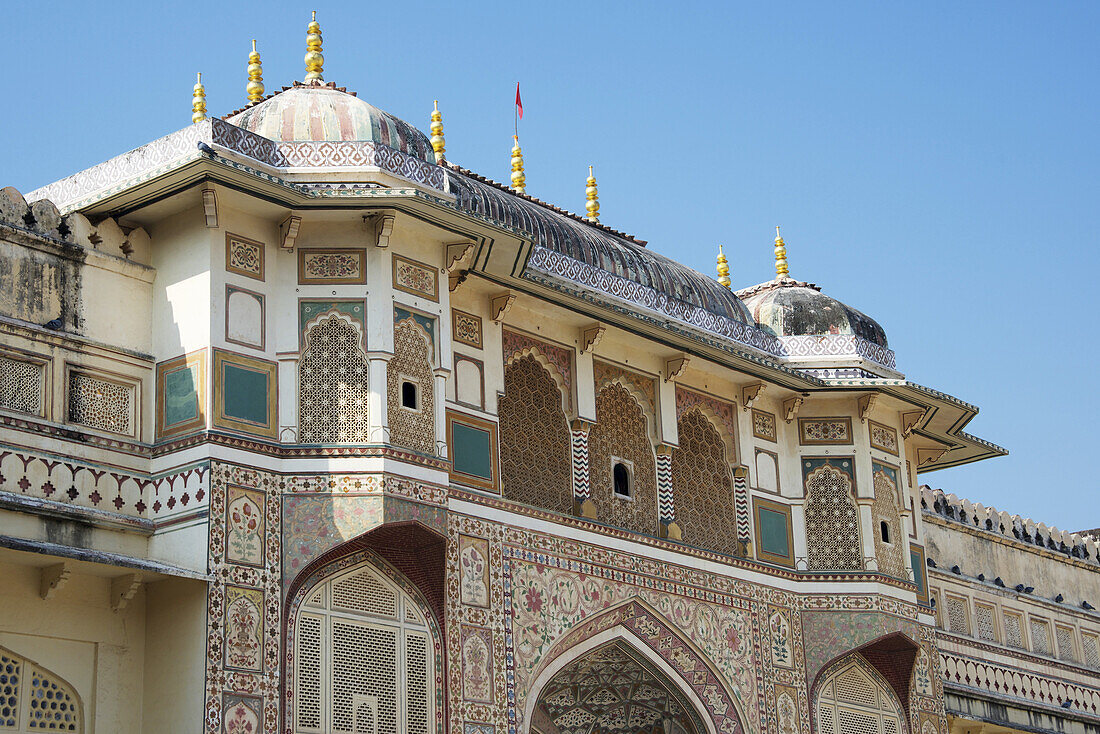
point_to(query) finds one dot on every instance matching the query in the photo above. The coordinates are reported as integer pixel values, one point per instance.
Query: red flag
(519, 103)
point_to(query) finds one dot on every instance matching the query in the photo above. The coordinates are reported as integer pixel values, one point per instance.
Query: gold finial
(723, 268)
(255, 87)
(438, 143)
(780, 256)
(592, 206)
(198, 101)
(519, 181)
(314, 60)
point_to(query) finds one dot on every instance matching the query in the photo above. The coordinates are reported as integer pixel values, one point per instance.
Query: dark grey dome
(787, 307)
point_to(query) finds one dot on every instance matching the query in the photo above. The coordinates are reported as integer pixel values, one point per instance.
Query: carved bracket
(123, 589)
(210, 207)
(791, 406)
(53, 578)
(750, 393)
(382, 224)
(289, 230)
(910, 419)
(458, 256)
(675, 367)
(591, 337)
(866, 405)
(499, 306)
(930, 455)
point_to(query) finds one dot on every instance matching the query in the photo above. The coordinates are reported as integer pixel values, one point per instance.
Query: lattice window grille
(33, 700)
(1040, 636)
(958, 617)
(332, 384)
(983, 622)
(364, 659)
(101, 404)
(1014, 631)
(21, 385)
(1065, 637)
(1092, 650)
(852, 702)
(832, 522)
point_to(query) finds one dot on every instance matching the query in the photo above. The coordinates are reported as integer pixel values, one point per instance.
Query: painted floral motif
(244, 541)
(787, 714)
(332, 265)
(826, 431)
(412, 277)
(240, 719)
(243, 629)
(244, 257)
(466, 328)
(884, 438)
(477, 678)
(780, 630)
(922, 679)
(548, 602)
(472, 557)
(763, 425)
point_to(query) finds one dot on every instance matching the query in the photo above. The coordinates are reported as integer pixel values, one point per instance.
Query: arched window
(853, 699)
(412, 424)
(332, 383)
(363, 658)
(33, 699)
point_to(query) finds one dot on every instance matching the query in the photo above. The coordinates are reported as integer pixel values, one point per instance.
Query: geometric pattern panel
(884, 513)
(21, 385)
(853, 701)
(535, 452)
(1040, 636)
(958, 616)
(102, 404)
(832, 518)
(33, 699)
(244, 256)
(703, 486)
(611, 690)
(332, 383)
(412, 428)
(621, 431)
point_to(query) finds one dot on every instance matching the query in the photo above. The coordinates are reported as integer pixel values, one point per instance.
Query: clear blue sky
(933, 164)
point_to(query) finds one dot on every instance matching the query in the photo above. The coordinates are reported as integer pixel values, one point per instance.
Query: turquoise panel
(773, 532)
(244, 394)
(473, 453)
(181, 398)
(918, 571)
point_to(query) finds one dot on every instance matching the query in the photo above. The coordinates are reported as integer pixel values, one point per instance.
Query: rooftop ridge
(320, 85)
(544, 204)
(775, 283)
(1022, 529)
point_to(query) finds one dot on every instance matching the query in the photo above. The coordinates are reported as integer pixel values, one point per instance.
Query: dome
(322, 112)
(787, 307)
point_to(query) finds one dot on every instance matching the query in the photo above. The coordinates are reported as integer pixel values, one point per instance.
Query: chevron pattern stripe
(666, 511)
(741, 507)
(582, 483)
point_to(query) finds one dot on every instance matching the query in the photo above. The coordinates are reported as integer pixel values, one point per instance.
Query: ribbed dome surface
(317, 112)
(787, 307)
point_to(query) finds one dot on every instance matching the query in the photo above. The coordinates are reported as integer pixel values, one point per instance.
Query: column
(378, 408)
(441, 411)
(867, 532)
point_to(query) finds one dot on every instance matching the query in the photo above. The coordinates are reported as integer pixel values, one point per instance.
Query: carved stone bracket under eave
(750, 393)
(381, 225)
(791, 406)
(675, 367)
(458, 256)
(210, 207)
(930, 454)
(866, 405)
(591, 336)
(499, 306)
(910, 419)
(123, 589)
(289, 232)
(53, 578)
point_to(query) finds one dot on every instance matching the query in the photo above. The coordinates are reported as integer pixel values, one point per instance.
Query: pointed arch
(852, 695)
(645, 630)
(333, 375)
(35, 699)
(552, 369)
(413, 350)
(623, 435)
(702, 484)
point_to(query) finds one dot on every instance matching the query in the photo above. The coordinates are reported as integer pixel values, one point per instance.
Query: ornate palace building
(305, 428)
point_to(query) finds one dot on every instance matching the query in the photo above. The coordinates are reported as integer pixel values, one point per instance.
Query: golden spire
(723, 268)
(314, 60)
(519, 181)
(780, 256)
(592, 206)
(438, 143)
(255, 87)
(198, 101)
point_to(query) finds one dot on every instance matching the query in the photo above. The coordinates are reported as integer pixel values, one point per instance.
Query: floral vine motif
(332, 265)
(245, 543)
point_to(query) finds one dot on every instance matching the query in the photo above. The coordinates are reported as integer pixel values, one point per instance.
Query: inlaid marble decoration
(763, 425)
(415, 277)
(477, 664)
(466, 328)
(332, 266)
(244, 256)
(823, 431)
(473, 558)
(244, 624)
(883, 438)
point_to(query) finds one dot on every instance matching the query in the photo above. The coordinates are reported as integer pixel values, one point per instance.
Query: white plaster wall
(175, 663)
(181, 295)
